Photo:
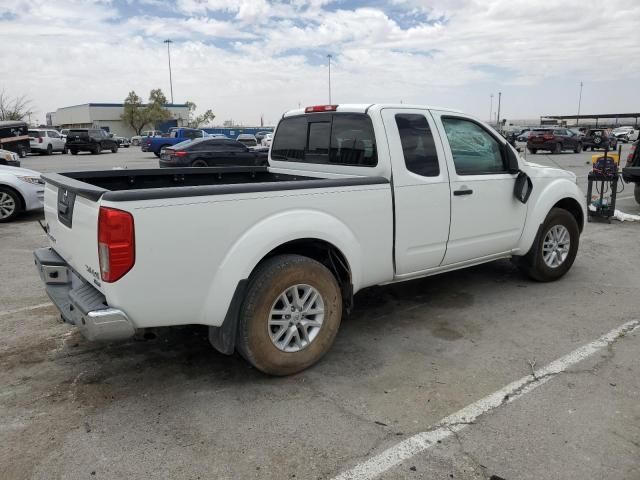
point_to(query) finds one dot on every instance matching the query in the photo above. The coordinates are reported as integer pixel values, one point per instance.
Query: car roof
(366, 107)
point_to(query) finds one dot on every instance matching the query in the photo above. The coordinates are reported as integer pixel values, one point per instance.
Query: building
(108, 117)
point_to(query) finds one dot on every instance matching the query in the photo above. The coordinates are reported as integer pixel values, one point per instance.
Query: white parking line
(24, 309)
(462, 418)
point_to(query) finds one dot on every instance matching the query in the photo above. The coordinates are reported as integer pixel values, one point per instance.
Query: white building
(108, 116)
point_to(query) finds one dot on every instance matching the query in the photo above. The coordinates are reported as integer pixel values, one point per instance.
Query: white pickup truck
(270, 257)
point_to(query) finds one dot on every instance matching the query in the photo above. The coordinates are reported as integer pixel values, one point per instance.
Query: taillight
(39, 139)
(630, 156)
(321, 108)
(548, 136)
(180, 153)
(116, 243)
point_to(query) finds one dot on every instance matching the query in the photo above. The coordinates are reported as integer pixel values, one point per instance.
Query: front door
(486, 217)
(421, 190)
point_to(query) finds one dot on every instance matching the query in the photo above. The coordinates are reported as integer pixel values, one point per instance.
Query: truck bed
(146, 184)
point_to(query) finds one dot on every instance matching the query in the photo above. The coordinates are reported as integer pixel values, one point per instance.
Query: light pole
(329, 57)
(498, 119)
(169, 42)
(490, 107)
(579, 103)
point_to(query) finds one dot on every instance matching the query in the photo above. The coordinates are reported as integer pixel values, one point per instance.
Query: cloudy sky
(244, 58)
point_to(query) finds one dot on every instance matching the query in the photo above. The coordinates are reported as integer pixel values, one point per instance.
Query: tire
(114, 149)
(199, 163)
(578, 148)
(97, 150)
(557, 149)
(65, 150)
(273, 279)
(22, 152)
(533, 151)
(73, 151)
(534, 264)
(10, 204)
(636, 193)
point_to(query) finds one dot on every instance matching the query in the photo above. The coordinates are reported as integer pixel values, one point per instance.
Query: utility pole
(499, 101)
(490, 107)
(169, 42)
(579, 103)
(329, 57)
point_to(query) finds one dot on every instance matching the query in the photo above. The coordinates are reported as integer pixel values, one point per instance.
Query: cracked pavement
(409, 356)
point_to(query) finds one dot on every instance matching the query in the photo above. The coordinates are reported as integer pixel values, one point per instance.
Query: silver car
(21, 190)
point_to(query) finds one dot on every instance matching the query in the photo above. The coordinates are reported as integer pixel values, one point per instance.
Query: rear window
(340, 138)
(35, 134)
(78, 132)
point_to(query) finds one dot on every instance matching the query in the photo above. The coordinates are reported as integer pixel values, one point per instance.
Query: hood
(536, 170)
(18, 171)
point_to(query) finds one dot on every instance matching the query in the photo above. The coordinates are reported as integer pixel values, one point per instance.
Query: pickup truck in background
(157, 145)
(270, 257)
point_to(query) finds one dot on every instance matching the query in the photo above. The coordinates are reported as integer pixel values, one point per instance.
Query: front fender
(265, 236)
(541, 204)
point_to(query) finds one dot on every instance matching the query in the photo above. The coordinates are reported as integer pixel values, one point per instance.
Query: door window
(53, 134)
(475, 151)
(418, 146)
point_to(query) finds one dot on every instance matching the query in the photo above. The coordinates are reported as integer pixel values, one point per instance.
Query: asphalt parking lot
(411, 355)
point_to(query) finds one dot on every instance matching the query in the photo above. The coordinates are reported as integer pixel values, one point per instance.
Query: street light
(329, 57)
(490, 108)
(498, 119)
(169, 42)
(579, 102)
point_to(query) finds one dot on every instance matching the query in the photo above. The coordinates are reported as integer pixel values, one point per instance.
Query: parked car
(270, 257)
(46, 141)
(524, 136)
(211, 152)
(554, 140)
(21, 190)
(64, 132)
(93, 140)
(122, 142)
(267, 139)
(14, 136)
(631, 171)
(599, 138)
(157, 145)
(139, 139)
(625, 134)
(260, 135)
(247, 139)
(9, 158)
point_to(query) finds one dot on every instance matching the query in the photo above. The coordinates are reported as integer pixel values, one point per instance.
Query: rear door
(421, 189)
(486, 217)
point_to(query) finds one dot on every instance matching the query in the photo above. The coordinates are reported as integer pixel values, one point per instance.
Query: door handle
(459, 193)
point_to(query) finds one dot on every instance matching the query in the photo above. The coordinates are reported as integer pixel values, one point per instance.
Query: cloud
(243, 58)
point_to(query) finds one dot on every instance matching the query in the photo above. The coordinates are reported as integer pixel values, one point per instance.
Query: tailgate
(72, 227)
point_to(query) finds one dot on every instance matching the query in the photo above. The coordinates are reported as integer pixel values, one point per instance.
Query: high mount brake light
(116, 243)
(321, 108)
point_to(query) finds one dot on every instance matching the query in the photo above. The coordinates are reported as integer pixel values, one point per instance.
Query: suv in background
(45, 141)
(554, 139)
(92, 140)
(599, 138)
(247, 139)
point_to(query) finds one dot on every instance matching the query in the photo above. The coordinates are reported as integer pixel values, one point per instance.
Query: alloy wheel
(556, 245)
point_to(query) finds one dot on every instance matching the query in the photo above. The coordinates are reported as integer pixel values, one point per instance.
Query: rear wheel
(199, 163)
(22, 152)
(636, 192)
(557, 148)
(578, 148)
(533, 151)
(73, 151)
(290, 315)
(10, 204)
(97, 149)
(114, 149)
(554, 249)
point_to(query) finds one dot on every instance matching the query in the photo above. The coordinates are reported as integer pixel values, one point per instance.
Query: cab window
(475, 151)
(418, 146)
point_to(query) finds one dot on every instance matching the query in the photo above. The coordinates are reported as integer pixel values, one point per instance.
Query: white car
(46, 141)
(267, 139)
(625, 134)
(21, 190)
(270, 257)
(10, 158)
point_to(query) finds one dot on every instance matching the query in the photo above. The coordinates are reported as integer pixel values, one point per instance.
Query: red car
(554, 140)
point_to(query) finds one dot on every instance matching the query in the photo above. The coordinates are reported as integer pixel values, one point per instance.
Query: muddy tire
(290, 315)
(554, 250)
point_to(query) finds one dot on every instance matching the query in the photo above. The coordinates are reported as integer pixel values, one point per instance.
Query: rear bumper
(80, 304)
(631, 174)
(542, 145)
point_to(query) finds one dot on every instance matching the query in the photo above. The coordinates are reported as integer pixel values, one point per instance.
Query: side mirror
(512, 159)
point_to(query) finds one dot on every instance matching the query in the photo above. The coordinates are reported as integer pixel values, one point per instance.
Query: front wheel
(199, 163)
(290, 315)
(114, 149)
(97, 149)
(554, 250)
(578, 148)
(73, 151)
(22, 152)
(557, 149)
(532, 151)
(636, 192)
(10, 204)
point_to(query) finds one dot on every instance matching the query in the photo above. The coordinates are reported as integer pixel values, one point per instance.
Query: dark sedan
(211, 152)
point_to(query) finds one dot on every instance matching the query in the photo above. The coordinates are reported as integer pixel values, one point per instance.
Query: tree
(135, 115)
(199, 120)
(14, 108)
(155, 110)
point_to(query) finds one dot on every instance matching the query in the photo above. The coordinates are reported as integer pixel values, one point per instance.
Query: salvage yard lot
(410, 355)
